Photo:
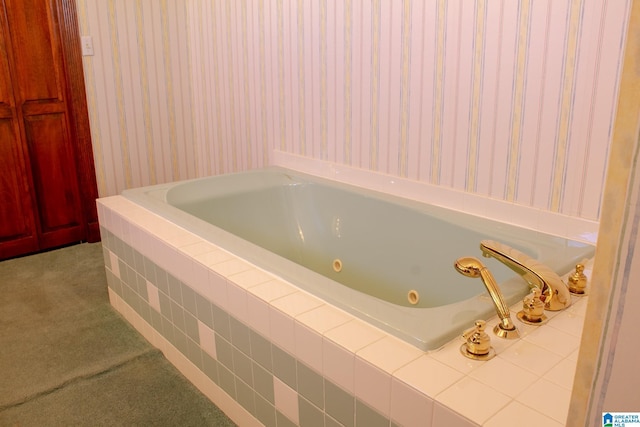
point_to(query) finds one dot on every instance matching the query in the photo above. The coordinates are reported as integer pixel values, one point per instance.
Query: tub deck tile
(427, 375)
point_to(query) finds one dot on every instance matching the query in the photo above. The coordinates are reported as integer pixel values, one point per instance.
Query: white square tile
(450, 355)
(517, 414)
(308, 346)
(252, 277)
(281, 330)
(443, 416)
(409, 407)
(147, 240)
(217, 290)
(551, 399)
(181, 266)
(272, 290)
(198, 247)
(373, 386)
(554, 340)
(258, 314)
(296, 303)
(182, 238)
(428, 375)
(125, 233)
(286, 400)
(531, 357)
(207, 339)
(230, 267)
(237, 302)
(574, 356)
(168, 231)
(504, 376)
(156, 226)
(323, 318)
(338, 365)
(569, 322)
(199, 280)
(157, 250)
(114, 299)
(163, 255)
(563, 373)
(473, 400)
(136, 238)
(213, 256)
(354, 335)
(154, 297)
(389, 353)
(115, 266)
(579, 305)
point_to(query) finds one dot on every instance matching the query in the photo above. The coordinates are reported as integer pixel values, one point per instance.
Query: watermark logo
(620, 419)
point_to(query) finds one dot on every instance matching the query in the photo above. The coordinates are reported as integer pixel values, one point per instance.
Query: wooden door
(42, 169)
(17, 222)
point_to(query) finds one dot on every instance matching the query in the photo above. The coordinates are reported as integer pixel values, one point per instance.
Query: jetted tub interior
(384, 259)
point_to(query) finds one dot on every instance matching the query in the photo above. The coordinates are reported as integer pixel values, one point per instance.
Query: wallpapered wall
(509, 99)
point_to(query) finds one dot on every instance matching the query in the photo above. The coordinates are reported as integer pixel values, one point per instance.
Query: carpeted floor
(68, 359)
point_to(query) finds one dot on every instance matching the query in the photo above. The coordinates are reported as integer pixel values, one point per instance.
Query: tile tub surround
(269, 354)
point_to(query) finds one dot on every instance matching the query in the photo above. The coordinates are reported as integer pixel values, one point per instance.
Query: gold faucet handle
(578, 281)
(532, 309)
(477, 342)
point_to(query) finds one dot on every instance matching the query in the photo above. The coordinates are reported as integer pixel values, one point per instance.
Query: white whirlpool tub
(384, 259)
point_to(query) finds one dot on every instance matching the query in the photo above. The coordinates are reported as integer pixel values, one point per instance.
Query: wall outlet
(87, 45)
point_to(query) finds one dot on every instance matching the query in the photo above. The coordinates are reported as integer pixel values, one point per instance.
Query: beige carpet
(67, 358)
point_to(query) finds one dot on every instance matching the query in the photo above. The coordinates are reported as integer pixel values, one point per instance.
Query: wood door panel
(6, 96)
(54, 172)
(18, 232)
(17, 228)
(37, 71)
(36, 108)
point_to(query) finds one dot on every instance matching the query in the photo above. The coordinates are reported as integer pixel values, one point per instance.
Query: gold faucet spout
(472, 267)
(555, 293)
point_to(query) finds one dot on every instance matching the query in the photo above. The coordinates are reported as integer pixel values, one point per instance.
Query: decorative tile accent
(207, 339)
(286, 400)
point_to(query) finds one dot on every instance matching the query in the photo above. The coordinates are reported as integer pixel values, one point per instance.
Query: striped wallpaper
(510, 99)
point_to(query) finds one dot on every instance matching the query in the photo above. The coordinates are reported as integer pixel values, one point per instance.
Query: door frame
(80, 130)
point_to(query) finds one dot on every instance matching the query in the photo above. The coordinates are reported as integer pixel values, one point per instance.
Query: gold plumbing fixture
(554, 292)
(532, 309)
(337, 265)
(578, 281)
(477, 343)
(472, 267)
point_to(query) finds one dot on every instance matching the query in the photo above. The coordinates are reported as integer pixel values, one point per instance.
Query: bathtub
(384, 259)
